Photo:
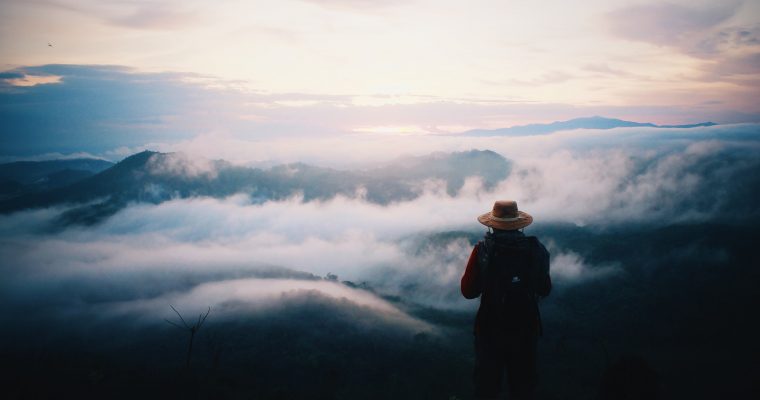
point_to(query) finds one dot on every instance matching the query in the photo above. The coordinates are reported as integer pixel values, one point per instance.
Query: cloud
(182, 165)
(367, 150)
(700, 32)
(668, 24)
(231, 298)
(155, 16)
(568, 267)
(605, 70)
(129, 109)
(736, 68)
(134, 109)
(150, 251)
(51, 156)
(152, 15)
(148, 257)
(16, 79)
(729, 39)
(357, 5)
(548, 78)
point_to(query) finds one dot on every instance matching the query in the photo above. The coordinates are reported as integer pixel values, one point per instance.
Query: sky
(121, 73)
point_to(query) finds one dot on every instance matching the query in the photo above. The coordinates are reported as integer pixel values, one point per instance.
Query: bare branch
(201, 321)
(180, 316)
(192, 329)
(172, 323)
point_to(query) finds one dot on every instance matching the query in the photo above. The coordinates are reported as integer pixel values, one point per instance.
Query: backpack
(513, 272)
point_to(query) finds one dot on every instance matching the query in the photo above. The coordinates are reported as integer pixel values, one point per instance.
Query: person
(510, 272)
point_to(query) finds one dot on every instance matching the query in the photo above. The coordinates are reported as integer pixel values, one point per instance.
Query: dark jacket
(524, 252)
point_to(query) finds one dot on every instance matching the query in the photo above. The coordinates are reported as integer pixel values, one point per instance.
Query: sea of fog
(651, 234)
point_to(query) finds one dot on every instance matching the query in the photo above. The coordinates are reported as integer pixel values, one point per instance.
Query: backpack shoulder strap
(485, 251)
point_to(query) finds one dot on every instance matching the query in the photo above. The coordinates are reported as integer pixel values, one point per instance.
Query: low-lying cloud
(150, 251)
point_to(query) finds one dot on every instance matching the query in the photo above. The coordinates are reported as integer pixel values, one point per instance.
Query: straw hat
(505, 216)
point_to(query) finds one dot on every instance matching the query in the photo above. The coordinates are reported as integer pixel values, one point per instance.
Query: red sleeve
(470, 280)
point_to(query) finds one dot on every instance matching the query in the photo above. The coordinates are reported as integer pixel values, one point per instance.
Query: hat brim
(523, 219)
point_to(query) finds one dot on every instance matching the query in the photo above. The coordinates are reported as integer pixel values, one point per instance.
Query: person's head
(505, 217)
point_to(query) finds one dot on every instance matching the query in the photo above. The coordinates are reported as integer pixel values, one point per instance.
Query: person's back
(509, 271)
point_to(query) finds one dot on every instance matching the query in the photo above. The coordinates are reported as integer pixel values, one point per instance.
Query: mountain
(577, 123)
(28, 172)
(23, 177)
(156, 177)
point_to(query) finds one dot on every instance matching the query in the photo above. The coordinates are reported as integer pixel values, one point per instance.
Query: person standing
(510, 272)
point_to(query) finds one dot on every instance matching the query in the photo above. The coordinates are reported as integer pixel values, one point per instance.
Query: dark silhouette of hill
(23, 177)
(309, 346)
(28, 172)
(110, 182)
(156, 177)
(595, 122)
(630, 377)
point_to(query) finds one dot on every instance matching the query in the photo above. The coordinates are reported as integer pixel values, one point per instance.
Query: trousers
(497, 354)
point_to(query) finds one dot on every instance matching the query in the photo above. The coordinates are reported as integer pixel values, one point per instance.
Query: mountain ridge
(153, 177)
(595, 122)
(24, 177)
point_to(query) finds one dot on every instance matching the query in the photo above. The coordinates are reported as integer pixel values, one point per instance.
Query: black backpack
(514, 272)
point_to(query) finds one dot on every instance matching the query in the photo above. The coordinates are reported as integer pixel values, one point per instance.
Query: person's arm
(470, 284)
(547, 286)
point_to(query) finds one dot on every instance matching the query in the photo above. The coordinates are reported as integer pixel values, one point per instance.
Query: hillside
(23, 177)
(153, 177)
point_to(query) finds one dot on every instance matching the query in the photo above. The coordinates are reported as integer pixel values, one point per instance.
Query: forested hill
(156, 177)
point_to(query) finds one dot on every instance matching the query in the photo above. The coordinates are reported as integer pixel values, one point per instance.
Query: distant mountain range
(577, 123)
(156, 177)
(23, 177)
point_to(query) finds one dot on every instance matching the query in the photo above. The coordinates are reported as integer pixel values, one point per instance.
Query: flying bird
(50, 45)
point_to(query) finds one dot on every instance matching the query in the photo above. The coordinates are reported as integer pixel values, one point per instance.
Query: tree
(192, 329)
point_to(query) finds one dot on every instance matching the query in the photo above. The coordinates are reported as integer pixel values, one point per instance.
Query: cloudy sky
(99, 75)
